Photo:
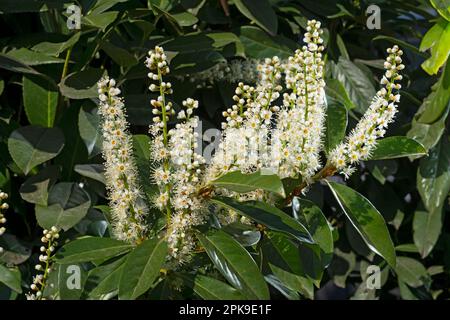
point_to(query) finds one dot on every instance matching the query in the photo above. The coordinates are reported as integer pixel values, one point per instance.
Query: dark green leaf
(242, 183)
(366, 219)
(40, 99)
(272, 217)
(397, 147)
(141, 268)
(433, 176)
(336, 123)
(235, 264)
(33, 145)
(261, 12)
(67, 205)
(11, 277)
(90, 132)
(35, 188)
(81, 85)
(212, 289)
(91, 249)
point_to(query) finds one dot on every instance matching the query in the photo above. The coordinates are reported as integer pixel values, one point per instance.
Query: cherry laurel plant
(273, 134)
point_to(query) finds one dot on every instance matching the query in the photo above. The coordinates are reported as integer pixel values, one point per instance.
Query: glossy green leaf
(260, 12)
(359, 87)
(11, 277)
(81, 85)
(212, 289)
(90, 132)
(32, 58)
(439, 48)
(433, 176)
(67, 205)
(100, 20)
(35, 189)
(272, 217)
(412, 272)
(397, 147)
(427, 228)
(243, 183)
(294, 282)
(91, 249)
(244, 234)
(336, 125)
(428, 134)
(56, 48)
(336, 94)
(321, 232)
(366, 219)
(259, 44)
(40, 100)
(103, 280)
(33, 145)
(235, 264)
(435, 104)
(141, 268)
(443, 7)
(93, 171)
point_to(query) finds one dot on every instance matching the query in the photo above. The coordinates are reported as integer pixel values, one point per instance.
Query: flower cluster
(363, 138)
(297, 138)
(178, 166)
(286, 139)
(275, 125)
(128, 207)
(3, 206)
(49, 240)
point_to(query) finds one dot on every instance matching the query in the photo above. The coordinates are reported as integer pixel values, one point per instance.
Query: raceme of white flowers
(178, 167)
(295, 129)
(44, 267)
(363, 138)
(128, 208)
(276, 125)
(3, 206)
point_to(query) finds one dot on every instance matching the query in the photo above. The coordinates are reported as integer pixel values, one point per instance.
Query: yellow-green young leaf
(272, 217)
(141, 268)
(40, 99)
(336, 124)
(235, 264)
(443, 7)
(397, 147)
(33, 145)
(90, 249)
(436, 103)
(212, 289)
(433, 176)
(243, 183)
(366, 219)
(261, 12)
(439, 48)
